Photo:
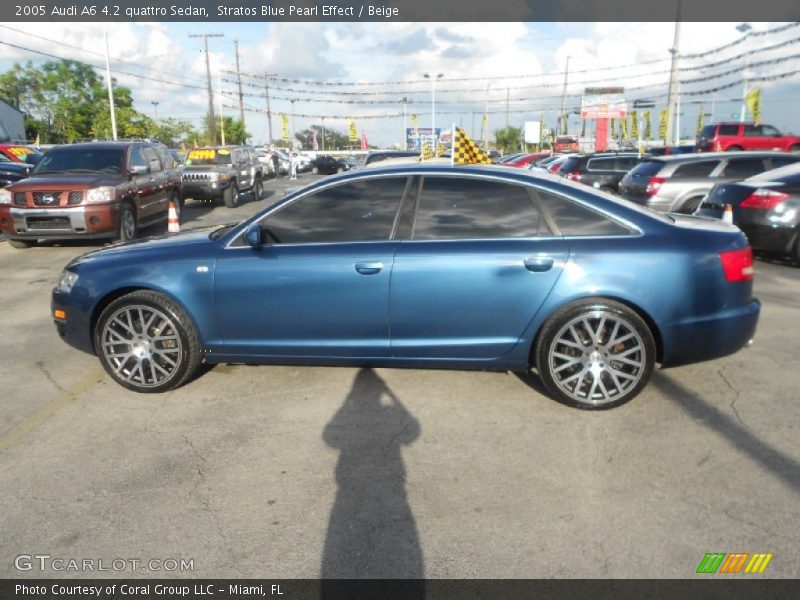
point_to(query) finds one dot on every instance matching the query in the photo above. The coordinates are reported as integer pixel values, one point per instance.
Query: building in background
(12, 124)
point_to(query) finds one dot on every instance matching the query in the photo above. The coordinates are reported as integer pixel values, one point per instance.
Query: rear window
(741, 168)
(700, 168)
(570, 164)
(728, 130)
(707, 131)
(647, 168)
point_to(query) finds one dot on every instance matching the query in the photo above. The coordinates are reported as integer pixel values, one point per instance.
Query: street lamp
(155, 109)
(433, 103)
(744, 28)
(405, 101)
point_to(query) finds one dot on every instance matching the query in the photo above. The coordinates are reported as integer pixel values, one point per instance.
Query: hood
(15, 167)
(66, 180)
(162, 245)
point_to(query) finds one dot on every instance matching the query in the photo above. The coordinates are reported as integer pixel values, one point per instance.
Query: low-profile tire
(315, 170)
(231, 196)
(595, 354)
(258, 189)
(128, 227)
(20, 244)
(147, 343)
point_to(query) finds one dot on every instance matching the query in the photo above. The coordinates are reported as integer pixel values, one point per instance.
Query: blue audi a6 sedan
(423, 266)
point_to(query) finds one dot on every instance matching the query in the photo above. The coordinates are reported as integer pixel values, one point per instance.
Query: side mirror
(139, 170)
(253, 235)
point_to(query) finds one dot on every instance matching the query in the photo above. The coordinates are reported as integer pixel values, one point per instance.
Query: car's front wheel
(595, 354)
(147, 343)
(231, 196)
(258, 189)
(128, 227)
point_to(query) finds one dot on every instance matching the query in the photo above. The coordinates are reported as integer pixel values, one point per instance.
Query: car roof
(673, 158)
(102, 145)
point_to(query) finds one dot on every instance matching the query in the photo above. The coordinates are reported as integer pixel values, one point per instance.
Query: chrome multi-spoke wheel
(142, 345)
(127, 224)
(596, 356)
(146, 342)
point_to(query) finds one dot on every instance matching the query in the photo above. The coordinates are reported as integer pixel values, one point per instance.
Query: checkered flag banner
(426, 153)
(467, 152)
(441, 150)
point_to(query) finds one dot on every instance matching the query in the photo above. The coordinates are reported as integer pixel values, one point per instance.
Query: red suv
(728, 137)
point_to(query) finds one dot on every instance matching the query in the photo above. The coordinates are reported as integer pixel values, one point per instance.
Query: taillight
(654, 185)
(737, 264)
(763, 199)
(573, 175)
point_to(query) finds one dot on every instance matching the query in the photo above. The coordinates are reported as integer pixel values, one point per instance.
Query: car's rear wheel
(231, 196)
(258, 189)
(315, 170)
(795, 148)
(691, 205)
(147, 343)
(733, 149)
(20, 244)
(128, 227)
(595, 354)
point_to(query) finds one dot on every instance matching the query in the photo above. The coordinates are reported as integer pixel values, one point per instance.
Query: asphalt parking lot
(302, 472)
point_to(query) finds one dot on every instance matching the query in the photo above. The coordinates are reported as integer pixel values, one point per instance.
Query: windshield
(208, 156)
(81, 160)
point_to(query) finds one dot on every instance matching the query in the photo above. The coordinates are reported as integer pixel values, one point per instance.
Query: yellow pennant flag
(612, 127)
(353, 133)
(753, 101)
(662, 124)
(285, 127)
(648, 129)
(623, 129)
(634, 124)
(700, 118)
(414, 120)
(467, 152)
(426, 153)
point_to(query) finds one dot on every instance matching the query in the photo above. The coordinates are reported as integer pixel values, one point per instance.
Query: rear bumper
(711, 336)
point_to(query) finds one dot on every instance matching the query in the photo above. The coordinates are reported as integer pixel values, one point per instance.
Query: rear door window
(626, 163)
(472, 208)
(691, 170)
(782, 161)
(601, 164)
(742, 168)
(573, 219)
(728, 130)
(647, 168)
(707, 131)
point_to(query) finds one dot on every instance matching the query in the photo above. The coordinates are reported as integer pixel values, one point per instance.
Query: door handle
(369, 268)
(538, 264)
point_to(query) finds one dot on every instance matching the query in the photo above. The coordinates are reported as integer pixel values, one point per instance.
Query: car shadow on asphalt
(371, 532)
(776, 462)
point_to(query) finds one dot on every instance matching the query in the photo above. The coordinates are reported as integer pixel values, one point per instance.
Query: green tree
(334, 140)
(507, 139)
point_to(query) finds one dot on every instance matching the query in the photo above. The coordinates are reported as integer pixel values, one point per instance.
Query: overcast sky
(481, 63)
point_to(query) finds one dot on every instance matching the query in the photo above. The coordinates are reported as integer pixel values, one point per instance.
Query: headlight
(213, 176)
(100, 194)
(224, 176)
(67, 281)
(5, 196)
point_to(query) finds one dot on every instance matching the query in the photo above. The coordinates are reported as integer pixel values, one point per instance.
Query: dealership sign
(604, 103)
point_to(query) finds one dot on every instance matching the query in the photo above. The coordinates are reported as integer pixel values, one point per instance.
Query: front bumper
(85, 221)
(204, 190)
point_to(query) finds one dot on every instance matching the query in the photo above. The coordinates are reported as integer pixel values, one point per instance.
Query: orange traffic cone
(727, 216)
(173, 224)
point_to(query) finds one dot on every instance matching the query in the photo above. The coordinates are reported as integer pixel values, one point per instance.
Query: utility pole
(110, 92)
(673, 77)
(212, 124)
(155, 104)
(405, 108)
(239, 81)
(291, 141)
(508, 93)
(269, 112)
(745, 28)
(564, 100)
(323, 134)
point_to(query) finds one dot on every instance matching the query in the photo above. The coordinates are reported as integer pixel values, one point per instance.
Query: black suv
(92, 190)
(601, 170)
(329, 165)
(222, 171)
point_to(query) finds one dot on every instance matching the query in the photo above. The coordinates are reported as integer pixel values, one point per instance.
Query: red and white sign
(604, 103)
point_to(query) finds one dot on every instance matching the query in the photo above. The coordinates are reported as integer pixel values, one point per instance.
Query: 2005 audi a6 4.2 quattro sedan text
(423, 266)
